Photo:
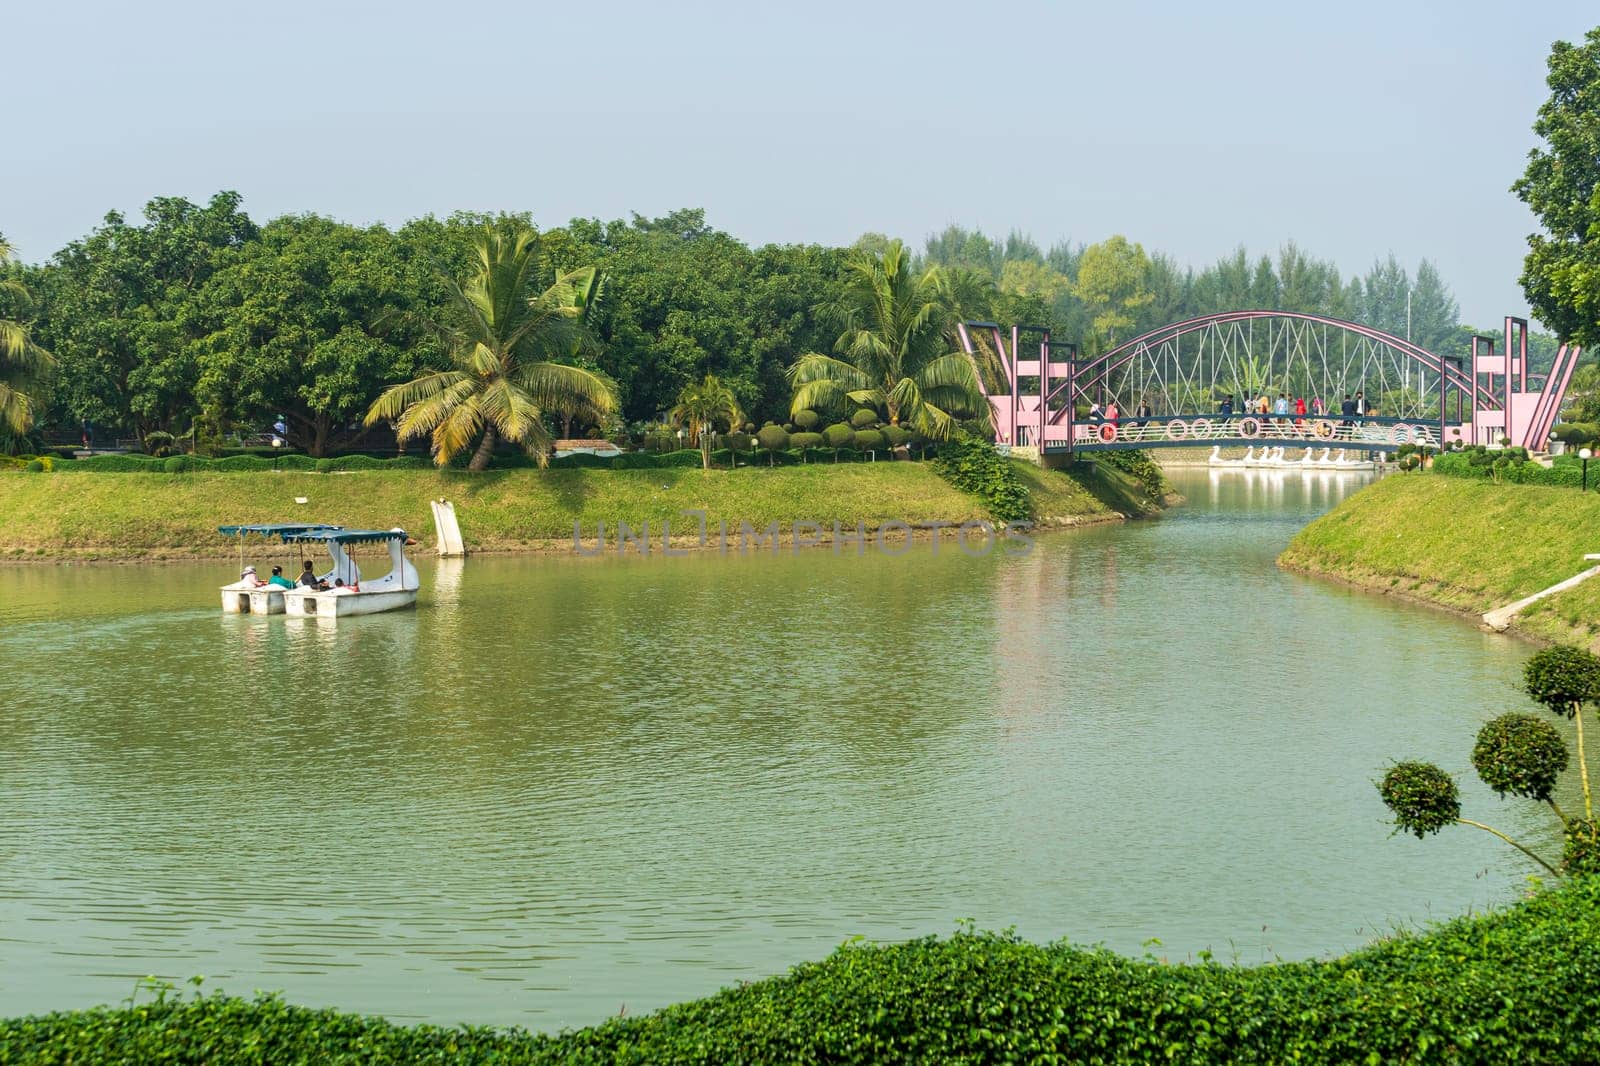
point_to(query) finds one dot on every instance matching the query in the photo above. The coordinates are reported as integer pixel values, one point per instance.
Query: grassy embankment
(150, 515)
(1464, 544)
(1520, 985)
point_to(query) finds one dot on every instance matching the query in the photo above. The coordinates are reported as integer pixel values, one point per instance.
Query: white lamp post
(1585, 454)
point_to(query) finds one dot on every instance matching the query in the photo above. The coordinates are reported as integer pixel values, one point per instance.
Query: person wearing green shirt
(279, 580)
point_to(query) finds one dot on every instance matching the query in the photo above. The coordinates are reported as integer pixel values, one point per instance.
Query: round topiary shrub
(1562, 678)
(1520, 755)
(177, 464)
(804, 441)
(806, 420)
(870, 440)
(738, 442)
(1580, 853)
(773, 438)
(864, 418)
(838, 435)
(1423, 797)
(34, 466)
(897, 436)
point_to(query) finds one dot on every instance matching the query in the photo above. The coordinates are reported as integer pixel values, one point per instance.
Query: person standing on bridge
(1095, 413)
(1299, 411)
(1316, 406)
(1226, 410)
(1144, 412)
(1361, 404)
(1347, 409)
(1111, 411)
(1281, 409)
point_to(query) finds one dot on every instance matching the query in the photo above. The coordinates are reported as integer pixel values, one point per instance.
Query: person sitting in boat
(279, 580)
(338, 583)
(309, 579)
(248, 577)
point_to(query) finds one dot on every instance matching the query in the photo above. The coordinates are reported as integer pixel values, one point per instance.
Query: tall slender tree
(701, 406)
(503, 334)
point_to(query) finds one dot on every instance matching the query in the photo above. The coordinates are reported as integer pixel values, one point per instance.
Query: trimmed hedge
(1519, 985)
(1510, 465)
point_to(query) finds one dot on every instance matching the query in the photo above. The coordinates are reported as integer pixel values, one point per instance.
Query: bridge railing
(1310, 430)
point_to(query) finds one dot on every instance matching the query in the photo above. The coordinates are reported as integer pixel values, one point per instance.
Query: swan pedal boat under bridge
(1273, 459)
(396, 589)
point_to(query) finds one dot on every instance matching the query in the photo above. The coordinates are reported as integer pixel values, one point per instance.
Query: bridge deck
(1180, 431)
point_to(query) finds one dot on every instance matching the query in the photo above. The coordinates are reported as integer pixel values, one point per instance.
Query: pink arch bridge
(1038, 387)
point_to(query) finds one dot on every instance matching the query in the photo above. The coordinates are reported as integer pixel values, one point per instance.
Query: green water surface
(564, 787)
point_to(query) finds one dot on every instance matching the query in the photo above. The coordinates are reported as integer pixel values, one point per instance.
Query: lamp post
(1585, 454)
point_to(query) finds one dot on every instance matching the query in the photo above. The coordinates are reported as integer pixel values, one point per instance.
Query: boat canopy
(285, 531)
(346, 536)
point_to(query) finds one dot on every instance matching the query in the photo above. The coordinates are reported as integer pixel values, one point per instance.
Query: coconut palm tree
(701, 405)
(893, 354)
(503, 334)
(20, 358)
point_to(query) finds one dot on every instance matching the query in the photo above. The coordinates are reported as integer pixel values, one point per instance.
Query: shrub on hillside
(973, 465)
(158, 443)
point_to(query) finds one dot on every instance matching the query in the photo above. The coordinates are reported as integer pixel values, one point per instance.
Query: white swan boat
(349, 594)
(250, 595)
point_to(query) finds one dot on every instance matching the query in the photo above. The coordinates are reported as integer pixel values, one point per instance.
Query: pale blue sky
(1356, 129)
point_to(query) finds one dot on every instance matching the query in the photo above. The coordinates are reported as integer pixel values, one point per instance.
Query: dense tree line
(197, 320)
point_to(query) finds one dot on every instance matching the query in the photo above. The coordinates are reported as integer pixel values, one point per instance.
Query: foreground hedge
(1521, 985)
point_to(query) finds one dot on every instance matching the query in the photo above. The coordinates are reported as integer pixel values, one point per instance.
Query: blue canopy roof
(285, 531)
(347, 536)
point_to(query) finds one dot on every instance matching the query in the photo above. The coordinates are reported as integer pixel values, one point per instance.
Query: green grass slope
(114, 516)
(1464, 544)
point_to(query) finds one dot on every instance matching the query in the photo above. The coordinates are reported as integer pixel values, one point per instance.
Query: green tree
(295, 328)
(503, 335)
(123, 321)
(21, 360)
(1113, 281)
(1561, 274)
(701, 406)
(893, 353)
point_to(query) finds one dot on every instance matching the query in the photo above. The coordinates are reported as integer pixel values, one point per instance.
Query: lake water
(562, 787)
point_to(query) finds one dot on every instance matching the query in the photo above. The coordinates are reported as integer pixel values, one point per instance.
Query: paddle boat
(250, 595)
(349, 595)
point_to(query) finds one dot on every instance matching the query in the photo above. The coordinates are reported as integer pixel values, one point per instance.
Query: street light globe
(1585, 453)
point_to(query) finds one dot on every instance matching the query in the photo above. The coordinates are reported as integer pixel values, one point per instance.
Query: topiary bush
(773, 438)
(806, 420)
(804, 443)
(864, 418)
(870, 440)
(838, 436)
(33, 466)
(1520, 755)
(178, 464)
(896, 436)
(1562, 678)
(1423, 797)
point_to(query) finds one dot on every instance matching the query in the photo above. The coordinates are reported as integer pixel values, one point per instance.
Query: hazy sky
(1355, 129)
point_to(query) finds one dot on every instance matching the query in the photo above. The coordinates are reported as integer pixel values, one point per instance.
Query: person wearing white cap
(249, 575)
